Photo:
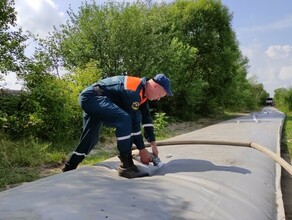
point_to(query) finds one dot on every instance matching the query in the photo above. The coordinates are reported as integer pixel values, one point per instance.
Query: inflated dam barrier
(230, 170)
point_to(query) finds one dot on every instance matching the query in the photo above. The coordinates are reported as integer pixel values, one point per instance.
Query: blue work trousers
(99, 110)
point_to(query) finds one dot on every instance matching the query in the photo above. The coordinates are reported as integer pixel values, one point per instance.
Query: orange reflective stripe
(142, 99)
(131, 83)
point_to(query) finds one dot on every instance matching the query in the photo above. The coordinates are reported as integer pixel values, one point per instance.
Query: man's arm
(147, 122)
(148, 126)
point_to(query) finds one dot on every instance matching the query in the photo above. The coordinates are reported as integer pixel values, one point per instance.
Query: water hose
(253, 145)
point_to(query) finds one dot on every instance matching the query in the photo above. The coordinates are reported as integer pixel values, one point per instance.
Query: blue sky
(263, 29)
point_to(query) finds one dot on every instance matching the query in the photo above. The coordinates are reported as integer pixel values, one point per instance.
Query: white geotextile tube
(253, 145)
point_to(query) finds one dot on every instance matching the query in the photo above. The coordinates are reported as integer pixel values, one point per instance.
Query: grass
(97, 156)
(22, 161)
(28, 160)
(287, 134)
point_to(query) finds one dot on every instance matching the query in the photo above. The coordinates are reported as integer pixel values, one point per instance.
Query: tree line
(191, 41)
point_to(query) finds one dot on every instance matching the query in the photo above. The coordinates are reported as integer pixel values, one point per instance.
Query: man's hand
(145, 156)
(154, 148)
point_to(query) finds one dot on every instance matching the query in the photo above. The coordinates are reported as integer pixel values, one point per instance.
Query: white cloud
(271, 66)
(286, 73)
(279, 51)
(38, 16)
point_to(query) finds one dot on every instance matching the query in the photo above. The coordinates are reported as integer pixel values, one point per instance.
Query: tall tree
(206, 25)
(12, 41)
(190, 41)
(122, 37)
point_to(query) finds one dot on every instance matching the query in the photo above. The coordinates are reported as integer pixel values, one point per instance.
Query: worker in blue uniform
(120, 102)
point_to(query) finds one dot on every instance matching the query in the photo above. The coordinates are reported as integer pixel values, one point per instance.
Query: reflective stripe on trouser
(100, 110)
(89, 138)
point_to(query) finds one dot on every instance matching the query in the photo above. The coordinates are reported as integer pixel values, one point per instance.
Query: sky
(263, 29)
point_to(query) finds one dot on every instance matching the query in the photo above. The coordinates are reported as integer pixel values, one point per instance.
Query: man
(120, 102)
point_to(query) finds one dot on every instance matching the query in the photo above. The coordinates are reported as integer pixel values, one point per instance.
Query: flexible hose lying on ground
(253, 145)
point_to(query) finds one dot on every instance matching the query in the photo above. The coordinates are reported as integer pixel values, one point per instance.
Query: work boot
(68, 167)
(128, 169)
(73, 162)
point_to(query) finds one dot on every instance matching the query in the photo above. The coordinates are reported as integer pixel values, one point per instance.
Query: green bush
(283, 99)
(160, 123)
